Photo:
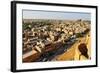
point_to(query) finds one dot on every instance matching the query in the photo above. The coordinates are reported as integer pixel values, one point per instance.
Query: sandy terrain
(73, 52)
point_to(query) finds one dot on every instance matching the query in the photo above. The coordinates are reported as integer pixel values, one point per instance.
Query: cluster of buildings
(39, 37)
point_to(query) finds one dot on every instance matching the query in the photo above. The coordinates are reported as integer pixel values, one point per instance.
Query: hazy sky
(29, 14)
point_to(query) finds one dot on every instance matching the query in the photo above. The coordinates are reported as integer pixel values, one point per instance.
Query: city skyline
(33, 14)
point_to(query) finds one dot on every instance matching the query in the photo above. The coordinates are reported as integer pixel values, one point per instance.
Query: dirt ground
(73, 52)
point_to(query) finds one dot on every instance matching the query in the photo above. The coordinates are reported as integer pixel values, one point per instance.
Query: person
(83, 50)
